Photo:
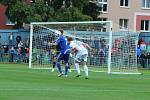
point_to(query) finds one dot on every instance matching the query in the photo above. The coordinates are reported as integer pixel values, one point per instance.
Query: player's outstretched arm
(87, 46)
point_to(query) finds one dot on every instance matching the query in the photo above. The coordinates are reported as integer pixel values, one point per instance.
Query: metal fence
(8, 39)
(143, 63)
(8, 56)
(13, 58)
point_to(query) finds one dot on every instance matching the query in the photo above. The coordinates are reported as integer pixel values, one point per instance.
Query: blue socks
(59, 68)
(66, 70)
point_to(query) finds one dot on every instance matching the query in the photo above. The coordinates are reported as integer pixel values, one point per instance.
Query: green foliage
(19, 15)
(71, 14)
(9, 2)
(56, 4)
(79, 3)
(63, 15)
(45, 10)
(34, 18)
(78, 16)
(91, 9)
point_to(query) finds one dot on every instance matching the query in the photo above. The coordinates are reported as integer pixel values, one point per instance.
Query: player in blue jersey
(64, 54)
(55, 51)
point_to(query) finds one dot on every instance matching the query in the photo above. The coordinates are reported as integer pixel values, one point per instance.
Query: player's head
(61, 31)
(70, 39)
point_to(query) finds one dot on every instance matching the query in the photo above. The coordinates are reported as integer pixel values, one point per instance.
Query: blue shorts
(64, 57)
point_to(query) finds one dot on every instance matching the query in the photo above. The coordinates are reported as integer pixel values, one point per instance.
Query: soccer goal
(113, 52)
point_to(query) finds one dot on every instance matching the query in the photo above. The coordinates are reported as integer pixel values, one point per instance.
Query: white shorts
(81, 57)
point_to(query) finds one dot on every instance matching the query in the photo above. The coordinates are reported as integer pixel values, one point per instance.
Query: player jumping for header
(81, 53)
(64, 54)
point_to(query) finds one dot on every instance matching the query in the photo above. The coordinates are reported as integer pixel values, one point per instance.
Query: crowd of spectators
(97, 57)
(19, 52)
(15, 52)
(143, 53)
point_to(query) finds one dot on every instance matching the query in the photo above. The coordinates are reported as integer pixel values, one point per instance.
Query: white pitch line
(75, 90)
(51, 68)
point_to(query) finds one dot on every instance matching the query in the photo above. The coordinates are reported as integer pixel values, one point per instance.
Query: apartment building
(133, 15)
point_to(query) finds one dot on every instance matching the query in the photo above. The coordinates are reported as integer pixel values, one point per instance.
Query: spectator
(27, 43)
(1, 55)
(27, 54)
(138, 50)
(102, 42)
(142, 58)
(18, 39)
(5, 46)
(148, 48)
(143, 53)
(102, 56)
(143, 47)
(91, 56)
(12, 52)
(96, 42)
(20, 44)
(148, 55)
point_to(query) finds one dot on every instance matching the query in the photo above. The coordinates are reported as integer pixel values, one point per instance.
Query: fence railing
(143, 63)
(13, 58)
(24, 58)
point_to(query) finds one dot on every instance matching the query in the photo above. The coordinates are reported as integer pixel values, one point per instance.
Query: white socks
(86, 70)
(77, 68)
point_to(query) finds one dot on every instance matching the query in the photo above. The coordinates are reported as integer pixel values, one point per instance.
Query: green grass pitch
(17, 82)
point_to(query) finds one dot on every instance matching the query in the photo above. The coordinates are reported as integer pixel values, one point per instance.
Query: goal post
(31, 41)
(98, 34)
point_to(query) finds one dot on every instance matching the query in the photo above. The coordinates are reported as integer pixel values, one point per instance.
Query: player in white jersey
(80, 55)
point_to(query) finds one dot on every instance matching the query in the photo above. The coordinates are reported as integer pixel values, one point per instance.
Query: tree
(9, 2)
(79, 3)
(40, 8)
(56, 4)
(77, 15)
(17, 11)
(87, 7)
(63, 14)
(21, 12)
(19, 15)
(71, 14)
(92, 9)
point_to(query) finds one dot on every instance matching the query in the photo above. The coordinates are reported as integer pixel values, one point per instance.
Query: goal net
(113, 52)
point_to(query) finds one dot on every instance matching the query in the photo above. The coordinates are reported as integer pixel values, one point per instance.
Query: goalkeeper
(81, 53)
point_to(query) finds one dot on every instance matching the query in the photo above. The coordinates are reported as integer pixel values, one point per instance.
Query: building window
(146, 3)
(103, 5)
(103, 27)
(145, 25)
(124, 3)
(123, 24)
